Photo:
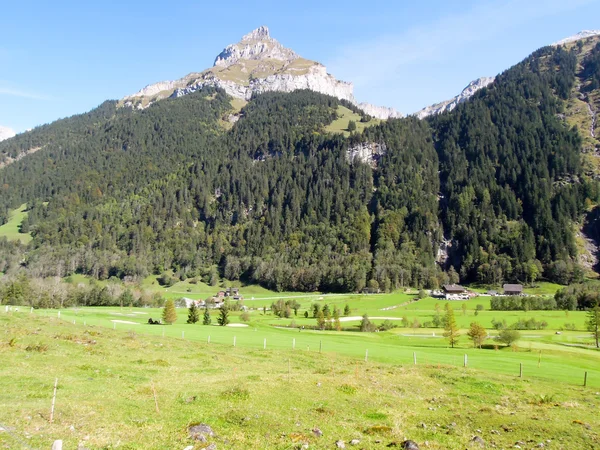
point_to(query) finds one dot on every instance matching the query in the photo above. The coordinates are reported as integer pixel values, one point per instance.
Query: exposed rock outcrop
(367, 152)
(449, 105)
(257, 64)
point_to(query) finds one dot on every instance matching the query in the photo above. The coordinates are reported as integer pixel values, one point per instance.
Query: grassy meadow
(10, 229)
(132, 388)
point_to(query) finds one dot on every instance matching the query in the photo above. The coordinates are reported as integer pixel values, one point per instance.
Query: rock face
(449, 105)
(367, 152)
(581, 35)
(257, 64)
(6, 133)
(380, 112)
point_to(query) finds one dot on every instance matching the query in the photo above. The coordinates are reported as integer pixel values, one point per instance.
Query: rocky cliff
(449, 105)
(6, 133)
(257, 64)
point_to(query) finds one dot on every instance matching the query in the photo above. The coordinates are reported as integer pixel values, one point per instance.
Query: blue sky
(66, 57)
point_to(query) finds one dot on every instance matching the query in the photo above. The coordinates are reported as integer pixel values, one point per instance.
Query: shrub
(508, 337)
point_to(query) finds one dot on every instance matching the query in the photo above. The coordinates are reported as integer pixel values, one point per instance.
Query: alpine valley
(264, 168)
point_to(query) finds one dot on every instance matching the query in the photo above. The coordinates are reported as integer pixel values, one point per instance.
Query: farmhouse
(513, 289)
(455, 292)
(232, 292)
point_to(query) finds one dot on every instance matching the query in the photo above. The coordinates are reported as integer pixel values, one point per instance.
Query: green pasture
(132, 388)
(10, 229)
(564, 357)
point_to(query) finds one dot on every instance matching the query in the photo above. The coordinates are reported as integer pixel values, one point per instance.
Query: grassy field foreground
(261, 399)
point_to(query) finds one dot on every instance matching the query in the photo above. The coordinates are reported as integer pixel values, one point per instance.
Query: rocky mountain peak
(261, 33)
(257, 64)
(449, 105)
(256, 45)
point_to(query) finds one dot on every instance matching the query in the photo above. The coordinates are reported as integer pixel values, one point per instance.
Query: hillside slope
(490, 190)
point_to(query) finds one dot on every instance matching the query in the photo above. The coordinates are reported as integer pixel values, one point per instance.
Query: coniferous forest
(488, 192)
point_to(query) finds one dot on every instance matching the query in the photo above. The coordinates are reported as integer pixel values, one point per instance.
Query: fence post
(367, 355)
(415, 358)
(466, 360)
(320, 346)
(208, 342)
(183, 335)
(53, 400)
(585, 379)
(265, 344)
(294, 344)
(520, 370)
(234, 340)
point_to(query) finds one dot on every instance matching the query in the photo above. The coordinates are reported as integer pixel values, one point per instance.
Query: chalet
(190, 301)
(232, 292)
(513, 289)
(455, 292)
(220, 294)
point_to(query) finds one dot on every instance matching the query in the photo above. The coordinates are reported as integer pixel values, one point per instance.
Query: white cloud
(381, 59)
(23, 94)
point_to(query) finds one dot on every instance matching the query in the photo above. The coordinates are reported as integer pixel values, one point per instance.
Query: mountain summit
(257, 64)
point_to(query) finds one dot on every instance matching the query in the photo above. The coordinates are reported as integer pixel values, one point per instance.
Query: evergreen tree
(477, 334)
(451, 328)
(206, 320)
(347, 310)
(351, 126)
(316, 308)
(193, 313)
(169, 314)
(366, 325)
(593, 323)
(223, 319)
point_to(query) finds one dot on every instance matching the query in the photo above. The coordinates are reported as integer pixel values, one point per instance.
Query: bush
(387, 325)
(245, 317)
(508, 337)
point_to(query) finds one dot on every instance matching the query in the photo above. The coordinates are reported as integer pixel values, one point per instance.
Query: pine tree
(193, 313)
(223, 319)
(477, 334)
(347, 310)
(365, 324)
(206, 318)
(593, 323)
(169, 313)
(351, 125)
(450, 326)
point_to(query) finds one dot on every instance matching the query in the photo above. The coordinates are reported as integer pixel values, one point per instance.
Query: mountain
(579, 36)
(257, 64)
(277, 190)
(449, 105)
(6, 133)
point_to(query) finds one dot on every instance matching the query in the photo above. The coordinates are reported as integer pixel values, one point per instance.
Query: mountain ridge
(257, 64)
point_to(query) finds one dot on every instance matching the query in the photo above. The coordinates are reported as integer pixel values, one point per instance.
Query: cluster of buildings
(217, 300)
(457, 292)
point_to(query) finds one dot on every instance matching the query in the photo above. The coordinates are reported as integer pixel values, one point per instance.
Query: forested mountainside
(276, 199)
